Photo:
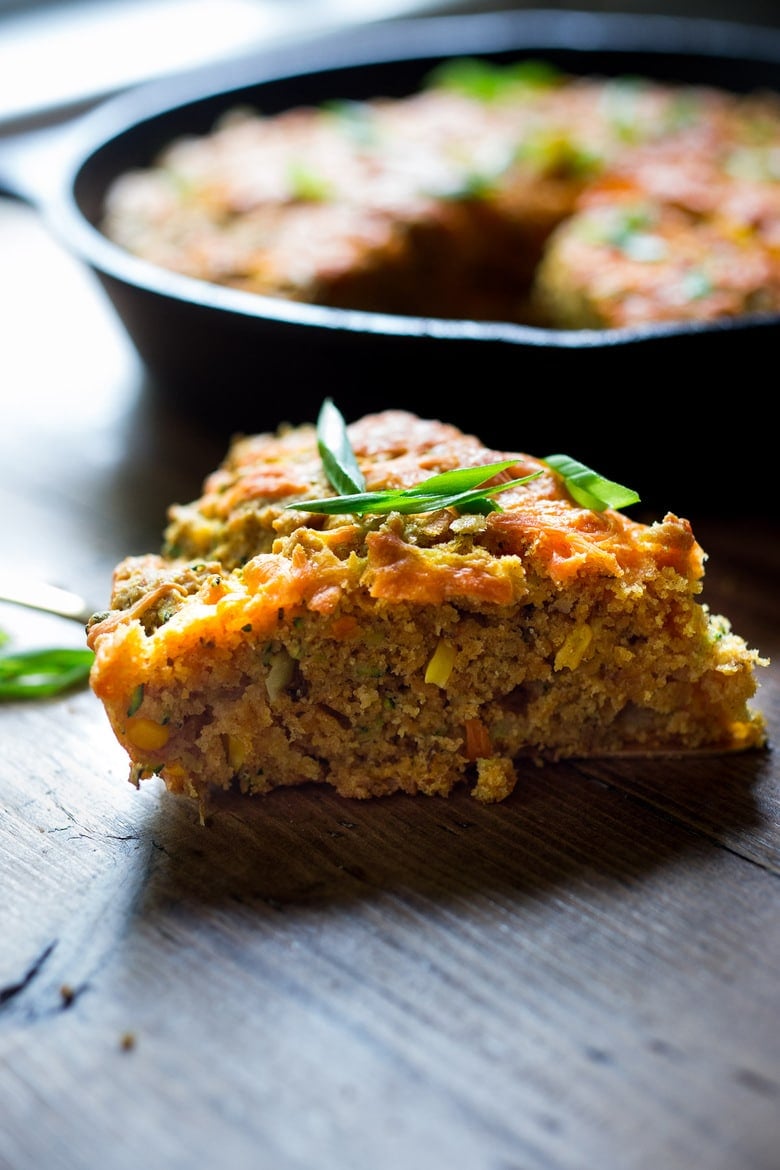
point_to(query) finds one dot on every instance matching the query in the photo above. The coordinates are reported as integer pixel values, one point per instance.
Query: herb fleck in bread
(268, 645)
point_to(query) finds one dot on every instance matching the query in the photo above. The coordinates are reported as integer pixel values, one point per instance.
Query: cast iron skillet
(667, 410)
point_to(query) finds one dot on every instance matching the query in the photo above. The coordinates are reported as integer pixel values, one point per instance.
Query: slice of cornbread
(268, 645)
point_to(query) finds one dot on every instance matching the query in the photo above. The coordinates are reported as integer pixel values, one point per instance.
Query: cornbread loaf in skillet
(268, 645)
(514, 193)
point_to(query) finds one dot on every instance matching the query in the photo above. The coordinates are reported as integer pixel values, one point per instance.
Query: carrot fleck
(344, 627)
(478, 745)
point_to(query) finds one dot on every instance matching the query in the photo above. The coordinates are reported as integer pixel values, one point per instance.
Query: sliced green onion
(588, 488)
(486, 81)
(338, 458)
(466, 489)
(34, 674)
(462, 488)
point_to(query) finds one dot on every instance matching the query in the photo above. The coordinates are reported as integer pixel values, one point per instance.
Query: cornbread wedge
(409, 650)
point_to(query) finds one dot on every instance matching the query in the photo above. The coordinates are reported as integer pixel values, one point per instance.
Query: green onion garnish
(338, 458)
(36, 674)
(467, 489)
(486, 81)
(306, 185)
(463, 488)
(588, 488)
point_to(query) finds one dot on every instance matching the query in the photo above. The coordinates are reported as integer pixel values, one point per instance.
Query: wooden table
(584, 977)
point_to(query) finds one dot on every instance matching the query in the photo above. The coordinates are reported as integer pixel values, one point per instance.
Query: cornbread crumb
(269, 646)
(496, 779)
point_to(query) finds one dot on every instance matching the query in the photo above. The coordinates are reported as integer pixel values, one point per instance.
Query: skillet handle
(33, 163)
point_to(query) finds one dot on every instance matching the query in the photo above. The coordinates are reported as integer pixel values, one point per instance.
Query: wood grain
(583, 976)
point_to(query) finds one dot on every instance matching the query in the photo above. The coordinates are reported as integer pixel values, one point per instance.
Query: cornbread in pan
(515, 193)
(268, 645)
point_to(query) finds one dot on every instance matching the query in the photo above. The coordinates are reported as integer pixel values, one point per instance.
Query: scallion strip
(588, 488)
(338, 457)
(34, 674)
(466, 489)
(462, 488)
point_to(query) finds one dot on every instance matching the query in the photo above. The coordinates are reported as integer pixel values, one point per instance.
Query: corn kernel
(147, 735)
(280, 674)
(573, 649)
(235, 749)
(441, 664)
